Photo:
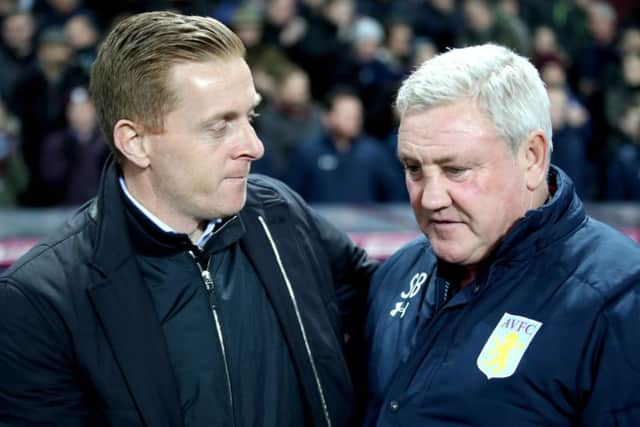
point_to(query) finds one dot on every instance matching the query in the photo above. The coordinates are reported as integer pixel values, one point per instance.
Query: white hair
(502, 83)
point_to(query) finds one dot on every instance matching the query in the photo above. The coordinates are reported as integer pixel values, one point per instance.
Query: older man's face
(466, 186)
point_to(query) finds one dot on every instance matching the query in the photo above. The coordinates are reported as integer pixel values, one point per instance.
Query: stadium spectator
(344, 165)
(624, 91)
(267, 62)
(309, 39)
(39, 103)
(56, 13)
(341, 14)
(546, 47)
(396, 52)
(71, 159)
(623, 171)
(422, 50)
(485, 23)
(366, 69)
(17, 50)
(570, 20)
(569, 142)
(438, 20)
(14, 175)
(600, 54)
(554, 74)
(82, 33)
(288, 120)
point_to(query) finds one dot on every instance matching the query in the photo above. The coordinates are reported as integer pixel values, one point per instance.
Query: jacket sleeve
(36, 376)
(614, 366)
(349, 262)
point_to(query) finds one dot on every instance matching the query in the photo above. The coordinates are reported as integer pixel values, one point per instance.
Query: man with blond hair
(187, 293)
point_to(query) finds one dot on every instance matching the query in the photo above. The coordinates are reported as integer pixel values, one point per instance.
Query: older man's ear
(534, 156)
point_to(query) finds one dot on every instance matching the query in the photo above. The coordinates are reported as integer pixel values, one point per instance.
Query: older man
(516, 308)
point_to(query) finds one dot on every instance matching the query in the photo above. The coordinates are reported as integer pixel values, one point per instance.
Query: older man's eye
(456, 172)
(414, 171)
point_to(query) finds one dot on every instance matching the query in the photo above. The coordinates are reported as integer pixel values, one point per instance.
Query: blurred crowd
(328, 71)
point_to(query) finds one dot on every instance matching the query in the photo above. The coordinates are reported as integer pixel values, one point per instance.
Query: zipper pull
(208, 284)
(206, 278)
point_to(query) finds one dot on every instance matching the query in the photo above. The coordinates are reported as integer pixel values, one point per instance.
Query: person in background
(343, 164)
(569, 144)
(398, 47)
(422, 49)
(600, 53)
(83, 35)
(437, 20)
(309, 37)
(268, 63)
(515, 308)
(288, 120)
(546, 47)
(17, 50)
(367, 70)
(39, 102)
(71, 159)
(625, 92)
(56, 13)
(14, 175)
(187, 293)
(623, 171)
(486, 22)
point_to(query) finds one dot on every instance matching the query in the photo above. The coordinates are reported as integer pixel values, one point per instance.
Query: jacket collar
(126, 310)
(558, 217)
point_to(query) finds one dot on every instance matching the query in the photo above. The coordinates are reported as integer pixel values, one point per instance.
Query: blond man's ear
(129, 139)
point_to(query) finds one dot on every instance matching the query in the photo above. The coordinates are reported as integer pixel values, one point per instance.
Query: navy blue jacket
(547, 335)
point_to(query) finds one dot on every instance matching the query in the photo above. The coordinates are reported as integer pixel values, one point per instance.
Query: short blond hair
(129, 78)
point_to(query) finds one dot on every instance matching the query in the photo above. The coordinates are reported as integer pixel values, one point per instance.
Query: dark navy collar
(560, 216)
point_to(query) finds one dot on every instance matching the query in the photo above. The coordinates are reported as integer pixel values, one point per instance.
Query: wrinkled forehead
(450, 127)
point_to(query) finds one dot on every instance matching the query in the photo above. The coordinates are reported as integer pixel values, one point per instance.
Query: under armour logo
(401, 307)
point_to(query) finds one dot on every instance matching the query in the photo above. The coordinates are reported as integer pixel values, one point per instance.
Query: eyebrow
(405, 157)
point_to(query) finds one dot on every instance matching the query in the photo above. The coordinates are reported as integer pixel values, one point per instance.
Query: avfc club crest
(508, 342)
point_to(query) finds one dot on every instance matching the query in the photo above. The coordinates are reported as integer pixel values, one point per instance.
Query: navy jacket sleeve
(349, 262)
(37, 383)
(613, 367)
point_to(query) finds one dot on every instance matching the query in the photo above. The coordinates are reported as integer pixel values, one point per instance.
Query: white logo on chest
(508, 342)
(415, 284)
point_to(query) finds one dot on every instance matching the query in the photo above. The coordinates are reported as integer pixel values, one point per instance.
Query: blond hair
(130, 76)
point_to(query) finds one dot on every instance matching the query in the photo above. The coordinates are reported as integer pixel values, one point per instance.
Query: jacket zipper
(299, 318)
(205, 275)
